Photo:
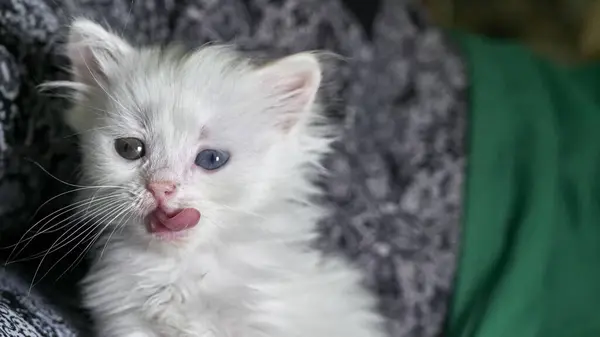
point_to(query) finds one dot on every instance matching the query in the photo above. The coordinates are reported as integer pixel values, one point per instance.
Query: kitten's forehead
(212, 69)
(164, 80)
(178, 100)
(154, 83)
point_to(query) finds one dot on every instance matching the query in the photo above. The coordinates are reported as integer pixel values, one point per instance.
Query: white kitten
(205, 161)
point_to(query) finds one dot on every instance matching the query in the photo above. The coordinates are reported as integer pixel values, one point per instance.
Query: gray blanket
(395, 191)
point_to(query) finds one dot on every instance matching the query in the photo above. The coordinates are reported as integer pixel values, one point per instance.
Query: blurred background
(564, 30)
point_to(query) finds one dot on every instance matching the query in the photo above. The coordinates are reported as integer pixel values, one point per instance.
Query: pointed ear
(93, 52)
(291, 86)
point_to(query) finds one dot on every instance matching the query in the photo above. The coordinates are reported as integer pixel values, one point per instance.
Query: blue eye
(211, 159)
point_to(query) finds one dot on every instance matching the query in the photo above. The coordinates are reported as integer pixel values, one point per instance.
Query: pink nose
(162, 190)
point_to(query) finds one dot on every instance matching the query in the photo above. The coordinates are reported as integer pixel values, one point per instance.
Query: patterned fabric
(26, 314)
(395, 187)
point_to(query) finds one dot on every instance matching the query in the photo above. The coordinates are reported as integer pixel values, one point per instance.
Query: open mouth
(161, 223)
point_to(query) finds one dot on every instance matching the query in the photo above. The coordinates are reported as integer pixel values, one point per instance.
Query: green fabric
(530, 260)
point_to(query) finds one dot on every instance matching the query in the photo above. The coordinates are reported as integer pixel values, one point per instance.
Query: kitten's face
(185, 144)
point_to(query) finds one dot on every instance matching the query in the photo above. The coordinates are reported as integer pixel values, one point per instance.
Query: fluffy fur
(247, 269)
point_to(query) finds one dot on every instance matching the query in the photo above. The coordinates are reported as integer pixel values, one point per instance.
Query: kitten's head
(185, 143)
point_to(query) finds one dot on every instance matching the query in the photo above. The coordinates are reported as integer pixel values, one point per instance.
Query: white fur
(247, 268)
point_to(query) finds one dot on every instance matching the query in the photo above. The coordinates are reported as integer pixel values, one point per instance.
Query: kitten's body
(248, 288)
(246, 268)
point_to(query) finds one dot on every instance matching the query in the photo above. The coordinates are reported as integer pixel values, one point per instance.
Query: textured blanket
(395, 191)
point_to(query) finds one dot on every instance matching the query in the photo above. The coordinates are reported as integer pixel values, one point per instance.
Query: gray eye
(130, 148)
(211, 159)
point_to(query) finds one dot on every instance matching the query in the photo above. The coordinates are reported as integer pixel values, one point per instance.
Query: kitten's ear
(291, 86)
(93, 52)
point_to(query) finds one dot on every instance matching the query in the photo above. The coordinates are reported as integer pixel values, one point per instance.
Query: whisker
(64, 182)
(81, 219)
(57, 196)
(88, 230)
(100, 201)
(87, 220)
(94, 239)
(137, 195)
(115, 228)
(75, 205)
(60, 212)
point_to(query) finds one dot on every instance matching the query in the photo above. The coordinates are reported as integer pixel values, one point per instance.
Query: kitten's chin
(172, 226)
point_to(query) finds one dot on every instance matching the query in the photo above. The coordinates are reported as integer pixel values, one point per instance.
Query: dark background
(364, 10)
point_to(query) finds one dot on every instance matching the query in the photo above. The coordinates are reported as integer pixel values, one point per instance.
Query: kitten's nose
(161, 190)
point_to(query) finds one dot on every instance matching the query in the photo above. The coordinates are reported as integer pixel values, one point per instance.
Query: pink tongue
(186, 218)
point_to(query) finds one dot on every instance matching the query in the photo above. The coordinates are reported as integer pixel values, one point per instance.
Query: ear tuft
(93, 51)
(291, 85)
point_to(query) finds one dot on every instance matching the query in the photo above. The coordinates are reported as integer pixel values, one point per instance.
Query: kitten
(203, 164)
